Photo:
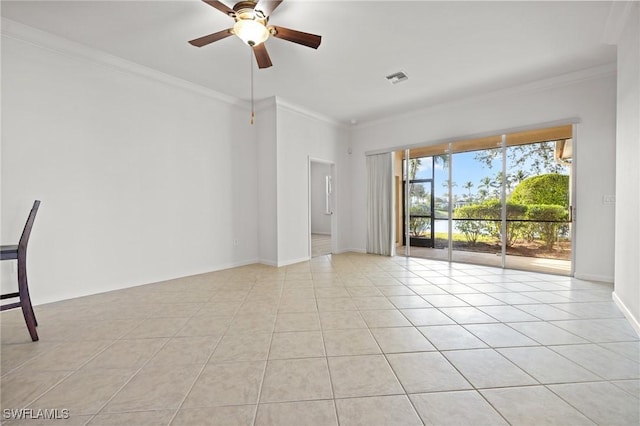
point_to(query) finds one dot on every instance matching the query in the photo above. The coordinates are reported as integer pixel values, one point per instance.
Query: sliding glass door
(477, 211)
(425, 206)
(539, 187)
(503, 200)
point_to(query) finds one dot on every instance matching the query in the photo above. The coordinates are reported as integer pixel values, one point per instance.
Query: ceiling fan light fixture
(251, 31)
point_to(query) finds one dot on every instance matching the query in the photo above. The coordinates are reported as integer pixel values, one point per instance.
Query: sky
(465, 169)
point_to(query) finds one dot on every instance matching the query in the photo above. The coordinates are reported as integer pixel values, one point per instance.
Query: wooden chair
(19, 253)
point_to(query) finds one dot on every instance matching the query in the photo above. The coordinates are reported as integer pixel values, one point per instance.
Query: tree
(442, 159)
(473, 228)
(552, 189)
(414, 165)
(468, 185)
(445, 184)
(539, 157)
(518, 176)
(491, 187)
(485, 182)
(549, 217)
(486, 219)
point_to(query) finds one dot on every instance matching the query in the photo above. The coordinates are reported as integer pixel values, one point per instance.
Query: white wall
(627, 247)
(139, 180)
(267, 207)
(591, 99)
(301, 136)
(320, 220)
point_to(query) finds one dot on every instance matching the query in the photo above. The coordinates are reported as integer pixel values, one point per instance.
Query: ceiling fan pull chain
(253, 114)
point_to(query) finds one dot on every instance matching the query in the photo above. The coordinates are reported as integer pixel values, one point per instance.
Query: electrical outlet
(236, 243)
(608, 199)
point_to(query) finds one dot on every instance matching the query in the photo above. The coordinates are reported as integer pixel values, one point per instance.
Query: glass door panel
(477, 208)
(427, 203)
(441, 206)
(421, 230)
(539, 192)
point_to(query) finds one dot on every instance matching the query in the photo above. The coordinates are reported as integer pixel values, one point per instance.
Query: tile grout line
(168, 339)
(266, 362)
(201, 369)
(393, 272)
(72, 372)
(326, 359)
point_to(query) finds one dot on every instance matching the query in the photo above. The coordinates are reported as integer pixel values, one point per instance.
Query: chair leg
(35, 320)
(25, 300)
(30, 319)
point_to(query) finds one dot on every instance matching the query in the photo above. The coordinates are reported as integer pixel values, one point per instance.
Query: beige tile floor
(320, 244)
(346, 339)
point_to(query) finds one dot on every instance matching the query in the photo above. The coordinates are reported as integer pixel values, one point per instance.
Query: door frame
(333, 203)
(431, 216)
(573, 173)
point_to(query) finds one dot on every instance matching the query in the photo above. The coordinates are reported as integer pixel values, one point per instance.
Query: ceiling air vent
(397, 77)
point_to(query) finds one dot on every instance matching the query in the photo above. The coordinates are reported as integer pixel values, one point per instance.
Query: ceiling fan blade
(221, 7)
(203, 41)
(262, 56)
(305, 39)
(267, 6)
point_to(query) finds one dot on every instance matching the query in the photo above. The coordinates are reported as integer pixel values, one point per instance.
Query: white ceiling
(448, 49)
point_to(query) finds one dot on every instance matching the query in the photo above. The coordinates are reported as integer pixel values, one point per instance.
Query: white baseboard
(627, 313)
(343, 250)
(593, 277)
(37, 301)
(292, 261)
(352, 250)
(233, 265)
(268, 262)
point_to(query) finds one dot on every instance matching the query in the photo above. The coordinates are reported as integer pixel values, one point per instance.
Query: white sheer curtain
(380, 204)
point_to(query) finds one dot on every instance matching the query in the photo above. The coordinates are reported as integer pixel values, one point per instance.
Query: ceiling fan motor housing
(250, 24)
(251, 19)
(247, 10)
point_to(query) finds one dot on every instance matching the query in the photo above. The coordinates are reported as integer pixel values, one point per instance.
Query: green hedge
(484, 220)
(547, 231)
(549, 189)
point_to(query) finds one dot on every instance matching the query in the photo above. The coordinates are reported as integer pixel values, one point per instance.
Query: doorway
(421, 213)
(321, 207)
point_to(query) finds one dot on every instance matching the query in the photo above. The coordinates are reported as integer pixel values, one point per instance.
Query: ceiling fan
(251, 25)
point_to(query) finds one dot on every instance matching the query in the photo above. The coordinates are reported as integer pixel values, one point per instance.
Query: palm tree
(485, 183)
(445, 184)
(484, 187)
(519, 176)
(468, 185)
(442, 159)
(414, 165)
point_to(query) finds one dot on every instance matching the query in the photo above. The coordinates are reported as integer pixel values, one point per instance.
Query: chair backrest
(26, 232)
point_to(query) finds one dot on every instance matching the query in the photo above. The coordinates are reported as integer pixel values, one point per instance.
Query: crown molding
(77, 51)
(619, 13)
(289, 106)
(72, 49)
(278, 102)
(262, 104)
(555, 82)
